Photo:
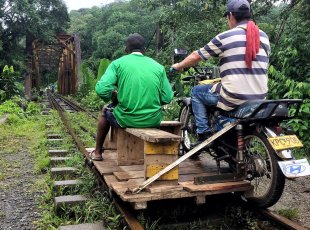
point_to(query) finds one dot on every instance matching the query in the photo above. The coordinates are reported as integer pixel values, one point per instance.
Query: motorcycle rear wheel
(188, 133)
(267, 178)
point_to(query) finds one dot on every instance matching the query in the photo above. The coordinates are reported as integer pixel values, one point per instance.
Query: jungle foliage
(191, 24)
(23, 21)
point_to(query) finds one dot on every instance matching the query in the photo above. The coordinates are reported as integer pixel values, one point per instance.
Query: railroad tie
(55, 139)
(64, 186)
(63, 171)
(57, 152)
(45, 112)
(59, 160)
(66, 183)
(95, 226)
(53, 136)
(69, 200)
(49, 125)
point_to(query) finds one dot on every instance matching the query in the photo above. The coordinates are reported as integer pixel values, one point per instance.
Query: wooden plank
(173, 127)
(123, 186)
(110, 141)
(130, 148)
(128, 175)
(190, 177)
(170, 123)
(200, 200)
(130, 162)
(106, 170)
(191, 187)
(109, 179)
(153, 135)
(159, 159)
(171, 148)
(132, 167)
(151, 170)
(139, 205)
(164, 188)
(155, 163)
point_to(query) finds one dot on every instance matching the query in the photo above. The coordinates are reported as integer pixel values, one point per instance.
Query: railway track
(62, 105)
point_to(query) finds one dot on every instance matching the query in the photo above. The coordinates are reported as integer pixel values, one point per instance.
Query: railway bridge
(62, 54)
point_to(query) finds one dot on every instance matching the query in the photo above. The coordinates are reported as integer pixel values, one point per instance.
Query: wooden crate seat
(152, 147)
(173, 127)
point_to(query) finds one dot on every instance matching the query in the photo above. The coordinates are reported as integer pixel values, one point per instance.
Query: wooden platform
(122, 179)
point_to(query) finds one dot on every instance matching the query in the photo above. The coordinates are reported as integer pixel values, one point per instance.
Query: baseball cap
(237, 6)
(135, 42)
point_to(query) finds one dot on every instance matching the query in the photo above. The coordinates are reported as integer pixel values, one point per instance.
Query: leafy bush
(11, 107)
(281, 86)
(18, 109)
(8, 84)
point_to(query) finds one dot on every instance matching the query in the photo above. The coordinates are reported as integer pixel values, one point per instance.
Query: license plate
(295, 168)
(285, 142)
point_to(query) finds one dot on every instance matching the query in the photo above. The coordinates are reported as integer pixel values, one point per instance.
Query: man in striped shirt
(244, 57)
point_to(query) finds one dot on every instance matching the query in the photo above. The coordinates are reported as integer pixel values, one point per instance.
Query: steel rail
(77, 107)
(283, 221)
(131, 221)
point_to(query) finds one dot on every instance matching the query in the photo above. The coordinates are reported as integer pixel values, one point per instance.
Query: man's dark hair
(241, 16)
(135, 43)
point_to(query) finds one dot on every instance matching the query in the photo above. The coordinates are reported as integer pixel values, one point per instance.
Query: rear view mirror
(180, 52)
(179, 55)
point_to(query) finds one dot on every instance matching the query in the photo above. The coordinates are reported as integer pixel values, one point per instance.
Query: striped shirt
(238, 83)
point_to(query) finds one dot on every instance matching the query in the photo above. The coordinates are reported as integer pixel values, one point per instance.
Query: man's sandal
(94, 157)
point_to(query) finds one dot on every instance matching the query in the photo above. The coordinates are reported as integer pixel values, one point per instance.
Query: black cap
(237, 6)
(135, 42)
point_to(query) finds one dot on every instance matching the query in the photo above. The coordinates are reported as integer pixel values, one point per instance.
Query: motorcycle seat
(260, 109)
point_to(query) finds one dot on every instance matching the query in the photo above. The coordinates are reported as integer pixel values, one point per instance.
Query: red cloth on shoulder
(252, 43)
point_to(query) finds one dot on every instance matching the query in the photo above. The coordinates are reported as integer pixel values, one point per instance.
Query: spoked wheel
(188, 134)
(263, 171)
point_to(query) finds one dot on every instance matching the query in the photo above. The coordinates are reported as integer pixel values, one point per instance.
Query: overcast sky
(78, 4)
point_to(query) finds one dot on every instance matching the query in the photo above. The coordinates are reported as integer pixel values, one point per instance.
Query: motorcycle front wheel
(263, 170)
(188, 131)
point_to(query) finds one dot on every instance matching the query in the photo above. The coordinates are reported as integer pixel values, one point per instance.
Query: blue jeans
(110, 116)
(202, 97)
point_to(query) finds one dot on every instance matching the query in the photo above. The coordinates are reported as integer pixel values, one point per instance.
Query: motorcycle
(257, 148)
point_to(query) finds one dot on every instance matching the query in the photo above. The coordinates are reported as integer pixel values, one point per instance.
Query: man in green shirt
(142, 88)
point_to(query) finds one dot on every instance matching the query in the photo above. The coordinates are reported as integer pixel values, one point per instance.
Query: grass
(291, 213)
(97, 208)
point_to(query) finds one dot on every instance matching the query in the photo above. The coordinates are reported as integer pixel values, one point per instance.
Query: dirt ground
(18, 200)
(296, 195)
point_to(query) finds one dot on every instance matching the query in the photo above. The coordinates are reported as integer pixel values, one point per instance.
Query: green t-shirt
(142, 87)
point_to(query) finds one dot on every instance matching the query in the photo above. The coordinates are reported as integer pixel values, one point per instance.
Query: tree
(22, 21)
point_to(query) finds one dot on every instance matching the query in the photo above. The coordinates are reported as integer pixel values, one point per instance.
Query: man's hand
(177, 67)
(114, 97)
(189, 61)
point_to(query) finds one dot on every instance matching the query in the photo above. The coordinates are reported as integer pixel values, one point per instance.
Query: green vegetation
(104, 30)
(291, 214)
(25, 130)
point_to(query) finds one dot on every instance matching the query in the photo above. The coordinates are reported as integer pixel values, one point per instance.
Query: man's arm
(212, 49)
(106, 84)
(189, 61)
(166, 93)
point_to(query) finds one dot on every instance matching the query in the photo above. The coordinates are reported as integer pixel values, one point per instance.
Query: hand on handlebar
(175, 68)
